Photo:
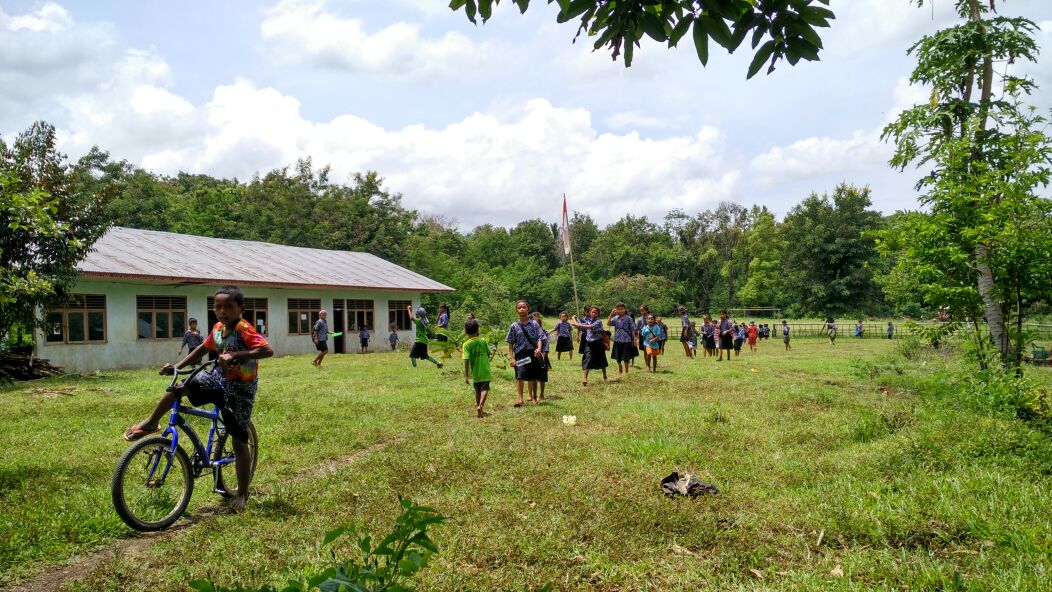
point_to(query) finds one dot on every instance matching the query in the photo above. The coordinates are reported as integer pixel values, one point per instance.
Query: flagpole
(573, 273)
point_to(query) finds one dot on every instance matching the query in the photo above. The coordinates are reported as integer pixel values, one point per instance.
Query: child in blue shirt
(363, 340)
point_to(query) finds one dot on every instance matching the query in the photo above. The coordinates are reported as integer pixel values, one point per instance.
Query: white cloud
(862, 26)
(821, 156)
(304, 32)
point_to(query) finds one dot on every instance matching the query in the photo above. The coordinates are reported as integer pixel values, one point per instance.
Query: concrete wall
(123, 348)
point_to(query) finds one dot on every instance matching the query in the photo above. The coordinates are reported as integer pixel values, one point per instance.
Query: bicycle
(154, 479)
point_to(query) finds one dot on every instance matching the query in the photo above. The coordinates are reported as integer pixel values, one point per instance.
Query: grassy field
(828, 480)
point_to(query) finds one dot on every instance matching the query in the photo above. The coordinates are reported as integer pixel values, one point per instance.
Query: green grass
(821, 471)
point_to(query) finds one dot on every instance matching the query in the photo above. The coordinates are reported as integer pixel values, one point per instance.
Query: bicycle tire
(179, 481)
(224, 448)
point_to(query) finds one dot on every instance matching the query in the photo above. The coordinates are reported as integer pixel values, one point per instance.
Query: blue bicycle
(154, 479)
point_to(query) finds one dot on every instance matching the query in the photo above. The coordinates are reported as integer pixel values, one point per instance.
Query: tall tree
(984, 150)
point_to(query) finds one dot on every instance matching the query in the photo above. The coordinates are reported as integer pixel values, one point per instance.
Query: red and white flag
(566, 229)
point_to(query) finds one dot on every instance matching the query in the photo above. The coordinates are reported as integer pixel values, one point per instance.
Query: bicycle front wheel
(226, 475)
(152, 485)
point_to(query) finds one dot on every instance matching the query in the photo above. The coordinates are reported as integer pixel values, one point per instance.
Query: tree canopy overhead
(776, 29)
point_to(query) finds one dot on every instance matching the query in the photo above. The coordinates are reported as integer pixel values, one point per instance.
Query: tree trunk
(994, 313)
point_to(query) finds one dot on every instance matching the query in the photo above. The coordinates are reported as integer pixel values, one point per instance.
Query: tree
(788, 26)
(831, 254)
(986, 153)
(51, 212)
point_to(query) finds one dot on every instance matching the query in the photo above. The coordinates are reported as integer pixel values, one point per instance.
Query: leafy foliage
(777, 29)
(383, 566)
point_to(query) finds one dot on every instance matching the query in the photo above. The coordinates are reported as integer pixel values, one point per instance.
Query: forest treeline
(821, 258)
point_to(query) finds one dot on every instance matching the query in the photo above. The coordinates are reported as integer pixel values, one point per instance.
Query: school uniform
(523, 339)
(563, 342)
(726, 329)
(594, 355)
(622, 347)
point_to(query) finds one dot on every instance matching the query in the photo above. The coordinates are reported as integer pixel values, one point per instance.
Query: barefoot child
(664, 332)
(624, 336)
(725, 329)
(363, 340)
(546, 365)
(524, 348)
(231, 386)
(419, 351)
(562, 331)
(751, 333)
(684, 335)
(785, 335)
(476, 364)
(393, 338)
(319, 333)
(594, 357)
(651, 338)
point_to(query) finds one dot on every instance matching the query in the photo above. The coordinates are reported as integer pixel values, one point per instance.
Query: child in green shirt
(476, 364)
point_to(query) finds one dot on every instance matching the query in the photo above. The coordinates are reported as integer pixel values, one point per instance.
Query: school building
(137, 289)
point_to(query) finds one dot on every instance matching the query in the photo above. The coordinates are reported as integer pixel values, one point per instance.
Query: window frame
(353, 307)
(299, 306)
(85, 304)
(153, 304)
(396, 311)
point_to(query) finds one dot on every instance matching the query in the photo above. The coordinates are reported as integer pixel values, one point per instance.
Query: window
(161, 317)
(303, 312)
(360, 314)
(81, 321)
(255, 312)
(398, 315)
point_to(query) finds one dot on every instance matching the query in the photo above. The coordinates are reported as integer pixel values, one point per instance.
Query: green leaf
(457, 4)
(760, 58)
(332, 535)
(629, 49)
(717, 29)
(472, 10)
(523, 5)
(680, 30)
(573, 9)
(701, 42)
(485, 9)
(653, 26)
(805, 31)
(803, 49)
(202, 586)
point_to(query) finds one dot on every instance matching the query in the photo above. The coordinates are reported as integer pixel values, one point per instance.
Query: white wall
(123, 348)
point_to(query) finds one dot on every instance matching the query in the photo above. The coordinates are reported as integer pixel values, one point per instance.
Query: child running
(231, 385)
(684, 336)
(546, 364)
(524, 347)
(419, 351)
(476, 365)
(651, 337)
(751, 333)
(624, 337)
(563, 332)
(831, 330)
(594, 356)
(785, 335)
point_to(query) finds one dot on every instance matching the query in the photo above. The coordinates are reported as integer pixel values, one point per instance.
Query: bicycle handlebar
(176, 372)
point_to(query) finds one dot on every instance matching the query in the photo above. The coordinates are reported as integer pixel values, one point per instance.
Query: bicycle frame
(177, 422)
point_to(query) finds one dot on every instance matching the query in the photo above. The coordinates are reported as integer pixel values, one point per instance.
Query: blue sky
(487, 124)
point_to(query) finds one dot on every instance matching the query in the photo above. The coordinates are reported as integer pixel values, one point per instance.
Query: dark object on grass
(686, 484)
(24, 367)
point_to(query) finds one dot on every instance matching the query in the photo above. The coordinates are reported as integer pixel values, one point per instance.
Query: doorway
(338, 326)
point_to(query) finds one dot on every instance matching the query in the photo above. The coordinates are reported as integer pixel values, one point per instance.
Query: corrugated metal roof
(153, 255)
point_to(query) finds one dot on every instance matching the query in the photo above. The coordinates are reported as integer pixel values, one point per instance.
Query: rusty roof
(166, 256)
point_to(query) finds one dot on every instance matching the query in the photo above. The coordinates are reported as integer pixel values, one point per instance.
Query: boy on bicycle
(231, 386)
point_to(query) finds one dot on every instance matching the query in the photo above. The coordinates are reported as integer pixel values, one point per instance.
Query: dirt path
(54, 577)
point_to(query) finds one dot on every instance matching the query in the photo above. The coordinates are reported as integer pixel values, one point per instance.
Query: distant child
(524, 349)
(230, 386)
(442, 321)
(650, 336)
(708, 335)
(594, 357)
(563, 332)
(393, 339)
(684, 336)
(751, 332)
(476, 364)
(693, 342)
(739, 339)
(891, 330)
(641, 322)
(831, 330)
(725, 330)
(664, 331)
(785, 335)
(581, 340)
(419, 351)
(363, 340)
(860, 329)
(320, 336)
(624, 337)
(192, 337)
(546, 365)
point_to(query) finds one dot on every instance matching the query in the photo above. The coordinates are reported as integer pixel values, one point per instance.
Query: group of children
(717, 336)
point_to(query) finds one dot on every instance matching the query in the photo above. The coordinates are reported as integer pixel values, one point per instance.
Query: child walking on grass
(363, 340)
(562, 331)
(725, 329)
(664, 332)
(624, 337)
(651, 338)
(684, 335)
(594, 357)
(419, 351)
(524, 348)
(231, 385)
(785, 335)
(393, 338)
(546, 364)
(476, 365)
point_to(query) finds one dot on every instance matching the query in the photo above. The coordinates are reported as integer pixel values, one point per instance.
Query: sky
(475, 124)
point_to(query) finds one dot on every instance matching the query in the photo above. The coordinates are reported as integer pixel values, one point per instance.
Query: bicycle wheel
(144, 496)
(226, 475)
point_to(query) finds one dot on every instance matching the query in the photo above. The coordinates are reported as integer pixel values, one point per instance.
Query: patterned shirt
(623, 328)
(524, 335)
(684, 321)
(243, 338)
(726, 325)
(191, 339)
(594, 332)
(544, 341)
(563, 328)
(443, 320)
